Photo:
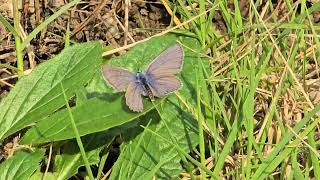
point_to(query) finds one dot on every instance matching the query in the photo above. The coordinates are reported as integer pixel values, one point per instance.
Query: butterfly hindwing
(133, 97)
(164, 85)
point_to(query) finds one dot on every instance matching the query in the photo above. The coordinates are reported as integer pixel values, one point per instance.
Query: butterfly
(158, 80)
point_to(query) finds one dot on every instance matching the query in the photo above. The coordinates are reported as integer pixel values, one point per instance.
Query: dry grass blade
(286, 64)
(175, 19)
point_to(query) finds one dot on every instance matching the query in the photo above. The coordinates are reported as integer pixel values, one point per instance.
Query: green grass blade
(314, 159)
(8, 26)
(274, 158)
(76, 132)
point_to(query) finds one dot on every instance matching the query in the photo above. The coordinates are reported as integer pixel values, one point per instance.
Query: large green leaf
(21, 165)
(105, 109)
(146, 155)
(39, 94)
(93, 116)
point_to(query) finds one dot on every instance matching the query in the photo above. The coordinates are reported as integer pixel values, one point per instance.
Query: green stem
(200, 122)
(16, 21)
(76, 132)
(203, 23)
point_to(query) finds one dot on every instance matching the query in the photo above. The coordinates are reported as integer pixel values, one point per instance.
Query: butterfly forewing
(168, 62)
(161, 72)
(119, 78)
(133, 97)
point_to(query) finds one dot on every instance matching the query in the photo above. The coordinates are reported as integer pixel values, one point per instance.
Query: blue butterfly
(158, 80)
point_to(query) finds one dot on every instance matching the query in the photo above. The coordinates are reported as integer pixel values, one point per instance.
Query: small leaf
(21, 165)
(67, 164)
(39, 175)
(38, 95)
(142, 153)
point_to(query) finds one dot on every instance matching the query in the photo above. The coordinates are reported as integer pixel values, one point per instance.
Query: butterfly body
(143, 81)
(158, 80)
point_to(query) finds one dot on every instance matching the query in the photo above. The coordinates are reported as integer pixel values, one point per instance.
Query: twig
(89, 18)
(127, 3)
(5, 83)
(48, 164)
(122, 27)
(25, 12)
(30, 53)
(37, 10)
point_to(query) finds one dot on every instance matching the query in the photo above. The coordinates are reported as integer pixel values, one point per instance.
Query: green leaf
(141, 154)
(93, 116)
(8, 26)
(39, 175)
(21, 165)
(146, 155)
(38, 95)
(105, 109)
(67, 164)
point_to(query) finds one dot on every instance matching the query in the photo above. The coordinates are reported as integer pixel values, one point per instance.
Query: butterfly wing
(162, 86)
(168, 62)
(161, 72)
(133, 97)
(119, 78)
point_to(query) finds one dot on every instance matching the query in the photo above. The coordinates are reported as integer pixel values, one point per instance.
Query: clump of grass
(257, 99)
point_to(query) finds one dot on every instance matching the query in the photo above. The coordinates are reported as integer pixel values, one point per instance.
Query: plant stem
(200, 122)
(16, 21)
(76, 132)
